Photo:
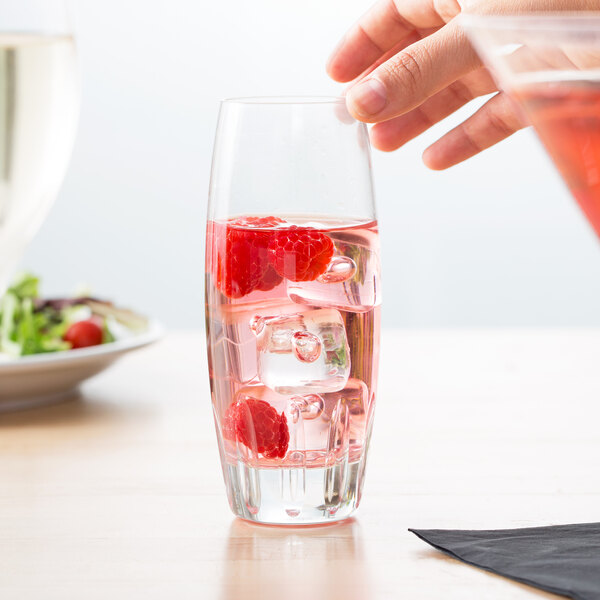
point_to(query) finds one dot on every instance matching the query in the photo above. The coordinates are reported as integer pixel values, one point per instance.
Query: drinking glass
(292, 307)
(39, 95)
(549, 64)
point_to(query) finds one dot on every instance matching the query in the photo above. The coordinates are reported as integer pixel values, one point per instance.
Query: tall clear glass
(550, 65)
(292, 307)
(39, 106)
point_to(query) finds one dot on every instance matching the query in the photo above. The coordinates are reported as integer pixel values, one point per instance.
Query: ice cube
(218, 362)
(238, 337)
(339, 269)
(309, 407)
(241, 352)
(350, 283)
(262, 392)
(306, 346)
(355, 397)
(303, 353)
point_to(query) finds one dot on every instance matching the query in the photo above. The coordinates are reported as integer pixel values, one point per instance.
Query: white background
(496, 241)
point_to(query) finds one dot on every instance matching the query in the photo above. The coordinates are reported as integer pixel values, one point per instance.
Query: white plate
(45, 378)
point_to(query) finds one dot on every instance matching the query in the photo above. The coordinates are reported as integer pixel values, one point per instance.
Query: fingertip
(367, 99)
(351, 107)
(433, 160)
(330, 68)
(336, 70)
(381, 140)
(383, 147)
(335, 67)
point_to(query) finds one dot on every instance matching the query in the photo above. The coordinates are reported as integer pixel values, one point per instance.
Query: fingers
(415, 36)
(373, 35)
(385, 25)
(390, 135)
(413, 75)
(493, 122)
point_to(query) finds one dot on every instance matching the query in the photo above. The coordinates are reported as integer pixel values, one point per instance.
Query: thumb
(407, 79)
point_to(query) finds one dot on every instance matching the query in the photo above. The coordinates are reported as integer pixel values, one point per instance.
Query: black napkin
(564, 559)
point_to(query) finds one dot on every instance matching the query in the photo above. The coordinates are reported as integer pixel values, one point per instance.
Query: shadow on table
(272, 563)
(74, 411)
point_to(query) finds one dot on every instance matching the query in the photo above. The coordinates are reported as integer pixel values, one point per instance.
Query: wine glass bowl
(39, 106)
(549, 64)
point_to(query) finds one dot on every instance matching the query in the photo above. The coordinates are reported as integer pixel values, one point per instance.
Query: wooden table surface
(118, 493)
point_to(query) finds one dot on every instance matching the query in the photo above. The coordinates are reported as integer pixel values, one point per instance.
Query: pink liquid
(566, 117)
(307, 348)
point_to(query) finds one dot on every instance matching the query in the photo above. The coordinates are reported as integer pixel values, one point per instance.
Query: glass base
(279, 496)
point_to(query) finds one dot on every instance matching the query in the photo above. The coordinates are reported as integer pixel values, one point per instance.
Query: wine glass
(549, 64)
(39, 106)
(292, 307)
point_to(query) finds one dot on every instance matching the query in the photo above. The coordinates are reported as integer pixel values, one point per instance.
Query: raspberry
(257, 222)
(300, 253)
(280, 450)
(269, 280)
(229, 420)
(242, 263)
(258, 427)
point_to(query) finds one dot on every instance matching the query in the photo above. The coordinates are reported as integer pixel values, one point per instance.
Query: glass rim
(289, 100)
(569, 21)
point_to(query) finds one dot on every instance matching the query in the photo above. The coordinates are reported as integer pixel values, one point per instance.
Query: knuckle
(460, 93)
(471, 139)
(363, 33)
(407, 70)
(499, 122)
(446, 9)
(424, 117)
(395, 10)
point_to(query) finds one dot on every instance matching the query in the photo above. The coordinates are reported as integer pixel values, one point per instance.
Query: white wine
(39, 108)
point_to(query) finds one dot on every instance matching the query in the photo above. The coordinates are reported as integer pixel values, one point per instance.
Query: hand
(412, 66)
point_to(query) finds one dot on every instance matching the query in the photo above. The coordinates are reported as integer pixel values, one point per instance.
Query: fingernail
(369, 97)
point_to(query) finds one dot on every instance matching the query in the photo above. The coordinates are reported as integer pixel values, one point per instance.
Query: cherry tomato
(84, 333)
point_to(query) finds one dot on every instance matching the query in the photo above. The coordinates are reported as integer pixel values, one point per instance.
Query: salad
(30, 324)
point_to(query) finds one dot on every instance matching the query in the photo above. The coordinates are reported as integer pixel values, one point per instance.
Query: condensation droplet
(310, 406)
(340, 269)
(306, 346)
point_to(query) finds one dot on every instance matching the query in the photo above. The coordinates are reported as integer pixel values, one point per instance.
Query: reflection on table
(324, 561)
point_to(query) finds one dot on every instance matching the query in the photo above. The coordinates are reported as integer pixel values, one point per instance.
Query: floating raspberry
(229, 421)
(242, 262)
(269, 280)
(300, 253)
(251, 222)
(259, 427)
